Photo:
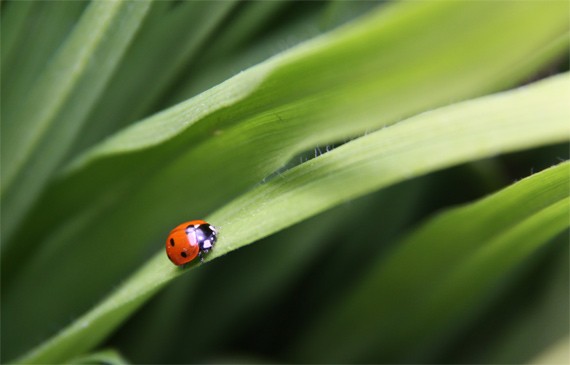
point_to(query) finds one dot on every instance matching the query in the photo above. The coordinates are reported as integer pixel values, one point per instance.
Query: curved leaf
(177, 35)
(437, 279)
(36, 136)
(511, 121)
(117, 200)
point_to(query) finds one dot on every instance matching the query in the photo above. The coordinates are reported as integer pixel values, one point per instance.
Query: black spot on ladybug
(183, 254)
(172, 242)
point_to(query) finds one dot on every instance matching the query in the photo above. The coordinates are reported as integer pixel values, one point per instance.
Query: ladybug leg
(203, 254)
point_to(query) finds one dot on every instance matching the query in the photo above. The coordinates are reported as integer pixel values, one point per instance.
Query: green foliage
(422, 308)
(98, 164)
(62, 95)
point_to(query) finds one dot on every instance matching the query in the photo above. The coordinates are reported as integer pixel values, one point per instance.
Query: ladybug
(190, 239)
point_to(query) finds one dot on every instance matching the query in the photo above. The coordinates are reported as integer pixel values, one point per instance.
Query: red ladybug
(190, 239)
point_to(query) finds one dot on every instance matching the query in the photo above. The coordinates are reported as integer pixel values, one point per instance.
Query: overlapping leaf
(431, 141)
(443, 275)
(38, 132)
(118, 200)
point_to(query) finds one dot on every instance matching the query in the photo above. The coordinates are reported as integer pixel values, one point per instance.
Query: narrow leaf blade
(428, 142)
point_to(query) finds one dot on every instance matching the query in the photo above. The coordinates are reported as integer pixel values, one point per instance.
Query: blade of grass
(14, 16)
(140, 182)
(398, 155)
(219, 61)
(511, 121)
(248, 21)
(275, 259)
(261, 25)
(246, 128)
(41, 33)
(284, 259)
(414, 301)
(60, 100)
(118, 159)
(535, 300)
(178, 36)
(278, 38)
(547, 314)
(348, 255)
(348, 44)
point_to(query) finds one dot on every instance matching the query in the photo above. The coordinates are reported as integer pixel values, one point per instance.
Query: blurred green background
(396, 206)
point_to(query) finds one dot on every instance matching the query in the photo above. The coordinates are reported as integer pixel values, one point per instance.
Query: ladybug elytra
(189, 240)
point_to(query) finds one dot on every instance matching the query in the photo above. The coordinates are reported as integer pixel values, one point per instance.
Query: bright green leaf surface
(435, 140)
(371, 68)
(443, 274)
(214, 68)
(119, 200)
(285, 259)
(520, 119)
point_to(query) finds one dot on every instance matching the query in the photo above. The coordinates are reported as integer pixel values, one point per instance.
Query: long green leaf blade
(40, 34)
(36, 137)
(407, 150)
(254, 124)
(352, 44)
(520, 119)
(444, 273)
(178, 35)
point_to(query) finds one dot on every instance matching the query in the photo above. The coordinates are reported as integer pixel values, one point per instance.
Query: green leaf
(178, 35)
(37, 135)
(13, 22)
(548, 315)
(221, 61)
(124, 195)
(368, 73)
(284, 259)
(32, 34)
(425, 143)
(442, 276)
(520, 119)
